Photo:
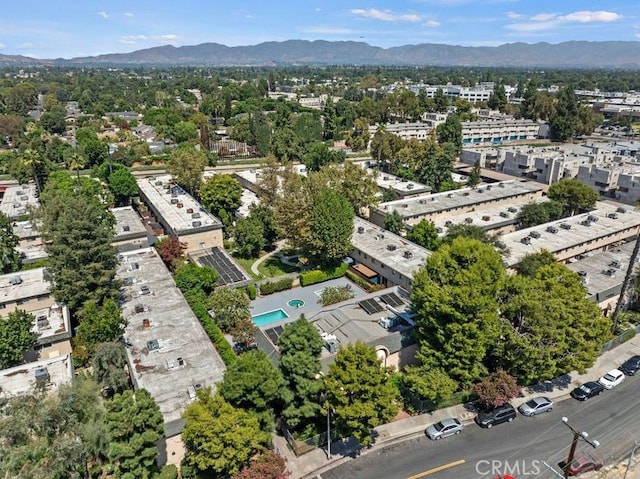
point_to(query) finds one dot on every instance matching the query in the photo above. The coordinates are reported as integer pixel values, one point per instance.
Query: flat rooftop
(25, 230)
(487, 217)
(387, 181)
(21, 379)
(247, 199)
(579, 233)
(23, 285)
(128, 224)
(178, 209)
(449, 200)
(392, 250)
(169, 353)
(604, 270)
(51, 324)
(32, 251)
(17, 200)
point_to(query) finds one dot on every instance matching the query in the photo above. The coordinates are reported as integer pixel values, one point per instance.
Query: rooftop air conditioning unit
(385, 178)
(512, 209)
(189, 210)
(504, 214)
(16, 280)
(613, 216)
(450, 195)
(360, 229)
(410, 186)
(486, 218)
(195, 215)
(408, 254)
(423, 201)
(565, 226)
(534, 234)
(526, 240)
(42, 375)
(621, 210)
(552, 229)
(391, 247)
(584, 277)
(592, 218)
(332, 345)
(196, 224)
(615, 264)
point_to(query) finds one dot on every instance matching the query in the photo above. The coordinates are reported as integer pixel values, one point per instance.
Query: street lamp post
(577, 435)
(328, 433)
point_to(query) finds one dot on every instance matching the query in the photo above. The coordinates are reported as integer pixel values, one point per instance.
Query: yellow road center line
(438, 469)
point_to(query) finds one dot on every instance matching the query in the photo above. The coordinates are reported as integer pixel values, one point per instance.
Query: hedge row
(363, 283)
(197, 302)
(271, 287)
(320, 275)
(252, 291)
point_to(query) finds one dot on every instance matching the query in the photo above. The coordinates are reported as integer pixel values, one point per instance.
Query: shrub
(252, 292)
(363, 283)
(320, 275)
(271, 287)
(336, 294)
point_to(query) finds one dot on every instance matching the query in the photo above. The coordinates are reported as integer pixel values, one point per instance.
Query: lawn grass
(274, 267)
(246, 265)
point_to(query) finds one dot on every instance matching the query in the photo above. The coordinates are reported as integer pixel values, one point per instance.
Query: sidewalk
(315, 462)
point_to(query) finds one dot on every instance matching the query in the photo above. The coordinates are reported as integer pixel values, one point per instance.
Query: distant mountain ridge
(574, 54)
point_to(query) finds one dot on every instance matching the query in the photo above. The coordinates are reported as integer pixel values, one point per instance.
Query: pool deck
(306, 294)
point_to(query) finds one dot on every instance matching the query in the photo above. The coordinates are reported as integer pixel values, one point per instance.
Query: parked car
(536, 406)
(631, 365)
(445, 428)
(504, 413)
(612, 379)
(581, 463)
(587, 390)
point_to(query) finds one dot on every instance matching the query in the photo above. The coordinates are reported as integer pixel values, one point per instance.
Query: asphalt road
(518, 448)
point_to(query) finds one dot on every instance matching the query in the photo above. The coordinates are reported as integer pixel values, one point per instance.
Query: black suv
(631, 365)
(504, 413)
(587, 390)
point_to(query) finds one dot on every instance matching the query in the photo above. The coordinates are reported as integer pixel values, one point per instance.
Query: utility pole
(625, 285)
(577, 435)
(635, 445)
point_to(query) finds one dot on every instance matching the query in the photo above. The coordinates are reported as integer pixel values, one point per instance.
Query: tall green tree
(475, 175)
(360, 392)
(134, 425)
(123, 185)
(110, 366)
(78, 229)
(393, 222)
(498, 97)
(534, 214)
(221, 193)
(229, 306)
(300, 345)
(15, 337)
(190, 276)
(358, 139)
(573, 194)
(249, 237)
(186, 165)
(219, 438)
(431, 384)
(9, 257)
(253, 383)
(99, 324)
(451, 132)
(453, 334)
(564, 122)
(424, 234)
(549, 325)
(319, 155)
(53, 119)
(531, 263)
(330, 227)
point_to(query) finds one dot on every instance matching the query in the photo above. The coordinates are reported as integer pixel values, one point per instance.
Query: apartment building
(129, 230)
(16, 201)
(178, 213)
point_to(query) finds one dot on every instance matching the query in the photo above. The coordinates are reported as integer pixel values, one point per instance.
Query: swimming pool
(269, 317)
(295, 303)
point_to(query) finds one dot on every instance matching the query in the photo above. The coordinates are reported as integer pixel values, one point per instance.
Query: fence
(303, 446)
(623, 338)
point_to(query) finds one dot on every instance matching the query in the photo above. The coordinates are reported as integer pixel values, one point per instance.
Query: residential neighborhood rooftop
(128, 224)
(181, 212)
(389, 249)
(25, 378)
(23, 285)
(169, 353)
(16, 200)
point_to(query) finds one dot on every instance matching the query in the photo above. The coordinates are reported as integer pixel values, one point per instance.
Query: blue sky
(66, 28)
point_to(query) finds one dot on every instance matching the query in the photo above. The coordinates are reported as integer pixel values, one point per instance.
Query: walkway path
(254, 267)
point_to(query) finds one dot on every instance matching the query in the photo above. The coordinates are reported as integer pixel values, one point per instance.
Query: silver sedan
(445, 428)
(536, 406)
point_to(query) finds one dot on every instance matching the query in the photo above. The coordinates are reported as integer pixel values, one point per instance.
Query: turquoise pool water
(295, 303)
(269, 317)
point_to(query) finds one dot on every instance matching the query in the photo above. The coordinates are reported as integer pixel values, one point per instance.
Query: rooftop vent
(189, 210)
(139, 308)
(526, 240)
(145, 290)
(592, 218)
(504, 214)
(486, 218)
(408, 254)
(174, 201)
(448, 223)
(621, 209)
(15, 280)
(195, 224)
(360, 229)
(391, 247)
(552, 229)
(385, 178)
(615, 264)
(179, 205)
(512, 209)
(422, 201)
(585, 223)
(126, 228)
(565, 226)
(613, 216)
(584, 277)
(488, 187)
(468, 220)
(534, 234)
(610, 272)
(42, 375)
(450, 195)
(501, 185)
(410, 186)
(153, 345)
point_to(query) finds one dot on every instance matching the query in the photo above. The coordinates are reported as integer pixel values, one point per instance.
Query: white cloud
(128, 14)
(586, 16)
(133, 39)
(548, 21)
(543, 17)
(103, 14)
(431, 23)
(318, 9)
(385, 15)
(515, 16)
(169, 37)
(2, 45)
(248, 15)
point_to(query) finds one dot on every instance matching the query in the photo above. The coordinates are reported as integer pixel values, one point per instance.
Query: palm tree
(76, 162)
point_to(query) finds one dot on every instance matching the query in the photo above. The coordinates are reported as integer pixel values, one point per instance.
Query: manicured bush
(325, 274)
(271, 287)
(198, 302)
(252, 292)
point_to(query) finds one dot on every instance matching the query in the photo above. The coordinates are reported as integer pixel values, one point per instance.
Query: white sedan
(612, 379)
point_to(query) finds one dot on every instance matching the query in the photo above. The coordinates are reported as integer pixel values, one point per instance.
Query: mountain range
(574, 54)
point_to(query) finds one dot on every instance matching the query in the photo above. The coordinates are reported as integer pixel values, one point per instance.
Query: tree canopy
(221, 193)
(186, 165)
(9, 257)
(573, 194)
(330, 227)
(360, 392)
(15, 337)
